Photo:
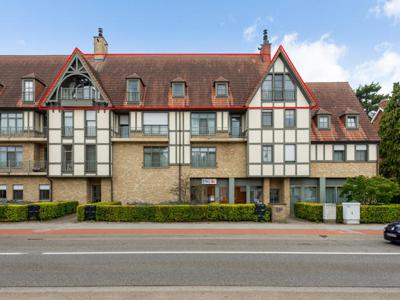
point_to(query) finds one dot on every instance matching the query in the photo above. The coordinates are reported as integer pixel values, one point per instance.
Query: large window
(155, 157)
(203, 123)
(267, 153)
(28, 90)
(155, 123)
(203, 157)
(67, 161)
(323, 122)
(44, 192)
(68, 124)
(11, 157)
(133, 90)
(352, 122)
(290, 153)
(124, 126)
(290, 118)
(333, 194)
(90, 159)
(267, 119)
(278, 87)
(236, 126)
(11, 123)
(90, 127)
(339, 153)
(178, 89)
(310, 194)
(18, 192)
(361, 153)
(3, 192)
(222, 89)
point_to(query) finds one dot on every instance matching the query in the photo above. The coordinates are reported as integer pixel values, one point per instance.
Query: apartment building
(232, 128)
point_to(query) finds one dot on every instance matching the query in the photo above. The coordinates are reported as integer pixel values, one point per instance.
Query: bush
(81, 208)
(309, 211)
(175, 213)
(379, 213)
(374, 190)
(14, 213)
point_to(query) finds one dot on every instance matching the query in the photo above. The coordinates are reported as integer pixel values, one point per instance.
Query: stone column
(322, 189)
(231, 191)
(266, 186)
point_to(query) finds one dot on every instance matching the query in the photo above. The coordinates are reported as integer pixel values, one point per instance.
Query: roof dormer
(221, 87)
(178, 87)
(32, 87)
(134, 89)
(350, 118)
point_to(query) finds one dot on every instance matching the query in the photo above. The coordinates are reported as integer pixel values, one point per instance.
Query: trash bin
(351, 213)
(329, 213)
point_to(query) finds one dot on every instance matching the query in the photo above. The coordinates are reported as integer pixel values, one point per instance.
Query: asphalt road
(301, 261)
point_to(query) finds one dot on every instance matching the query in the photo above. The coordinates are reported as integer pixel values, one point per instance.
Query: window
(68, 124)
(310, 194)
(178, 89)
(361, 153)
(133, 90)
(290, 153)
(290, 118)
(351, 122)
(155, 123)
(267, 152)
(90, 123)
(278, 87)
(11, 157)
(203, 123)
(222, 89)
(90, 160)
(267, 118)
(28, 91)
(339, 153)
(236, 126)
(295, 193)
(333, 194)
(44, 192)
(124, 126)
(11, 123)
(155, 157)
(67, 162)
(203, 157)
(3, 192)
(323, 122)
(18, 192)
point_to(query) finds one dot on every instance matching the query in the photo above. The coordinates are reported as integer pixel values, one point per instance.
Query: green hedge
(81, 208)
(175, 213)
(368, 213)
(308, 211)
(47, 211)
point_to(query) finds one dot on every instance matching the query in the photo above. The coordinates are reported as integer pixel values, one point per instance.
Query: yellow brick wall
(30, 183)
(343, 170)
(70, 189)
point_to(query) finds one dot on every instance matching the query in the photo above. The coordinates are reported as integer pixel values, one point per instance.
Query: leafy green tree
(374, 190)
(369, 96)
(389, 132)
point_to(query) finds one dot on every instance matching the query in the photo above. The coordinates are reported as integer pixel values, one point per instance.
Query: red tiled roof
(338, 97)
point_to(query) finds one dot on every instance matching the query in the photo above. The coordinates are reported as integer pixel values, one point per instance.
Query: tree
(374, 190)
(389, 132)
(182, 190)
(369, 97)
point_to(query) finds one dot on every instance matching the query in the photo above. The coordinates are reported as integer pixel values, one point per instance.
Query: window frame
(18, 190)
(344, 153)
(272, 154)
(271, 94)
(89, 134)
(175, 84)
(6, 116)
(87, 163)
(225, 84)
(208, 165)
(265, 112)
(3, 188)
(64, 133)
(42, 199)
(357, 151)
(130, 92)
(63, 161)
(199, 133)
(356, 122)
(294, 153)
(294, 118)
(24, 91)
(160, 153)
(328, 122)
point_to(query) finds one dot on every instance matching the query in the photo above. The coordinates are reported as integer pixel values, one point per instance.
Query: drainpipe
(179, 160)
(51, 189)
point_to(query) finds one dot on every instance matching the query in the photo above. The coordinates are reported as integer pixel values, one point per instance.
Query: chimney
(100, 46)
(265, 47)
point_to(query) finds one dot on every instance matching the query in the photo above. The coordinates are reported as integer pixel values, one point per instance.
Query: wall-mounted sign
(209, 181)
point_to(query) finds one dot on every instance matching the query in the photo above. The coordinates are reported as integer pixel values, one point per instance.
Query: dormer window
(278, 87)
(352, 122)
(221, 89)
(28, 90)
(323, 122)
(133, 90)
(178, 89)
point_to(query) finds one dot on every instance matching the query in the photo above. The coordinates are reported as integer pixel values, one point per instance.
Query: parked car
(392, 232)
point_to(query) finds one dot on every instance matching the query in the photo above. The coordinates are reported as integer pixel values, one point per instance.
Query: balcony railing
(68, 131)
(25, 167)
(91, 131)
(22, 132)
(87, 93)
(123, 131)
(67, 166)
(90, 166)
(203, 131)
(276, 95)
(133, 97)
(155, 129)
(237, 134)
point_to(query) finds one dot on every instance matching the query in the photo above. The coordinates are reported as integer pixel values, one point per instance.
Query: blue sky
(328, 40)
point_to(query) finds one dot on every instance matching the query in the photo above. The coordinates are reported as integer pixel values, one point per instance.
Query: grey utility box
(351, 213)
(329, 213)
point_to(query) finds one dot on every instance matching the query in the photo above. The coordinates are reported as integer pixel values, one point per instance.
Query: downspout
(179, 160)
(51, 189)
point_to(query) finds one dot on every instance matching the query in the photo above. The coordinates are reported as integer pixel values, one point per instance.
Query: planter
(351, 213)
(329, 213)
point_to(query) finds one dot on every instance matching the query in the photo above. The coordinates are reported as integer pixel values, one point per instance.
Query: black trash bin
(33, 212)
(90, 213)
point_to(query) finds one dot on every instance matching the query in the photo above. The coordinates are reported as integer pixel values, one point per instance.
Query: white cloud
(20, 42)
(387, 8)
(317, 60)
(250, 32)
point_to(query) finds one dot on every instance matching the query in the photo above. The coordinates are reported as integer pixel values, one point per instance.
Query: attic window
(178, 89)
(221, 89)
(323, 122)
(351, 122)
(133, 90)
(28, 90)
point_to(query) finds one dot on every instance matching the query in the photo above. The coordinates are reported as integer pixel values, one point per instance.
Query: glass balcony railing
(26, 167)
(90, 166)
(155, 129)
(67, 166)
(22, 132)
(277, 94)
(83, 93)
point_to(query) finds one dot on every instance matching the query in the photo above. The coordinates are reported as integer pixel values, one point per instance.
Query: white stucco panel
(303, 135)
(103, 153)
(54, 170)
(267, 136)
(350, 152)
(254, 136)
(103, 170)
(278, 153)
(255, 170)
(290, 170)
(103, 119)
(278, 170)
(303, 170)
(303, 152)
(55, 119)
(303, 118)
(255, 153)
(313, 148)
(372, 152)
(268, 170)
(55, 153)
(328, 152)
(79, 170)
(278, 118)
(79, 153)
(290, 136)
(103, 136)
(278, 136)
(254, 118)
(79, 119)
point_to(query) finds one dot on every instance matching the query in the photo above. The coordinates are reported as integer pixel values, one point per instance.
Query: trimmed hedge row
(368, 213)
(81, 208)
(176, 213)
(47, 210)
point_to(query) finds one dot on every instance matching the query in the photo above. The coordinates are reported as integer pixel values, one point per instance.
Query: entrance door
(96, 193)
(274, 196)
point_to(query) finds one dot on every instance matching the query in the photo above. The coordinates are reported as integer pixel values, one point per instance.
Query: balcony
(67, 166)
(278, 95)
(28, 167)
(155, 130)
(22, 133)
(83, 96)
(226, 137)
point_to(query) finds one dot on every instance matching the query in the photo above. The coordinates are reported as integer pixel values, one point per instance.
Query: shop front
(209, 190)
(248, 191)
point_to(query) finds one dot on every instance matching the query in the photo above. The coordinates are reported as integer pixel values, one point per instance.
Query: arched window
(77, 87)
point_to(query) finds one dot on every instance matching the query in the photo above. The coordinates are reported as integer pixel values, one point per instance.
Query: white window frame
(290, 157)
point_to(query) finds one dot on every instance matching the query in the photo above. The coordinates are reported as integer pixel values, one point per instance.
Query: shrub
(81, 208)
(52, 210)
(175, 213)
(308, 211)
(374, 190)
(379, 213)
(14, 213)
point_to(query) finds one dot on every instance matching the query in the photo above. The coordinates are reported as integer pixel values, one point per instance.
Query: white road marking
(12, 253)
(219, 252)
